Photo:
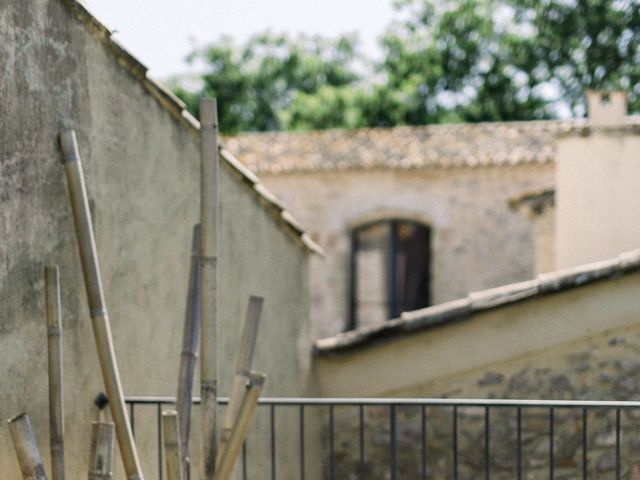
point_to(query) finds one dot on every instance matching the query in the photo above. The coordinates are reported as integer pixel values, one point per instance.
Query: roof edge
(483, 300)
(177, 108)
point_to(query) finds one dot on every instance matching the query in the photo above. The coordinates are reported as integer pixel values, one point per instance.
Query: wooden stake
(97, 305)
(101, 455)
(54, 337)
(26, 448)
(243, 367)
(209, 217)
(227, 460)
(189, 355)
(171, 443)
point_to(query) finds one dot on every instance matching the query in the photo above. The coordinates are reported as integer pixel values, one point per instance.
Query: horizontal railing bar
(460, 402)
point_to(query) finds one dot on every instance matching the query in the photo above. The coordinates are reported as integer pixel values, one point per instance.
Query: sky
(160, 33)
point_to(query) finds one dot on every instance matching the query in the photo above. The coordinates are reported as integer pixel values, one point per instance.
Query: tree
(583, 44)
(443, 61)
(256, 83)
(478, 60)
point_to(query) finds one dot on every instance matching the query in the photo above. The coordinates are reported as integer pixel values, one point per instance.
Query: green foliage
(256, 83)
(443, 61)
(583, 44)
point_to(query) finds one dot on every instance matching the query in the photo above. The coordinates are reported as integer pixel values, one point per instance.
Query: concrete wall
(478, 242)
(597, 194)
(142, 170)
(447, 360)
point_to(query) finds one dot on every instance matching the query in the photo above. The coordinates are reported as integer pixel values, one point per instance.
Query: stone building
(444, 189)
(59, 69)
(417, 216)
(570, 332)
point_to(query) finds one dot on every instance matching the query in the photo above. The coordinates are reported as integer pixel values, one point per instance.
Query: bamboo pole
(189, 355)
(227, 458)
(54, 340)
(243, 368)
(26, 448)
(97, 305)
(171, 444)
(101, 455)
(209, 216)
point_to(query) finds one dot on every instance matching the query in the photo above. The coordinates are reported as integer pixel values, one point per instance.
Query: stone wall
(607, 369)
(478, 241)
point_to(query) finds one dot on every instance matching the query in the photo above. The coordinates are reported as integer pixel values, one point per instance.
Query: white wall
(597, 195)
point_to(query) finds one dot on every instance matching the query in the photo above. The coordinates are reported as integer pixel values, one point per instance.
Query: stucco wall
(142, 170)
(478, 242)
(597, 194)
(432, 361)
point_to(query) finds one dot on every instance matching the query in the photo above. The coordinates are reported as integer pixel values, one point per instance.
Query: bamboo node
(98, 312)
(210, 260)
(209, 386)
(54, 330)
(69, 146)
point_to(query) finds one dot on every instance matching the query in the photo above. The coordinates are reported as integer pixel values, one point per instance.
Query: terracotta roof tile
(451, 145)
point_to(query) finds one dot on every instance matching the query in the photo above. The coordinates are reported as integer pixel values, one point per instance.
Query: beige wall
(597, 195)
(142, 170)
(452, 360)
(478, 242)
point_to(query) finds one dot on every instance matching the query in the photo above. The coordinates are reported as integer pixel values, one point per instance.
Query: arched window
(390, 270)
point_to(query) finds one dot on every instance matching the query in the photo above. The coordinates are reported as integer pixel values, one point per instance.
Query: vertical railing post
(487, 443)
(54, 343)
(332, 447)
(394, 442)
(97, 304)
(455, 442)
(618, 465)
(209, 218)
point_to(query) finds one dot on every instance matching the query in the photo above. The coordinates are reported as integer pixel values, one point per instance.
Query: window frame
(391, 270)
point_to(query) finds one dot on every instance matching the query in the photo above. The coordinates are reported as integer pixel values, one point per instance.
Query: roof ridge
(483, 300)
(550, 121)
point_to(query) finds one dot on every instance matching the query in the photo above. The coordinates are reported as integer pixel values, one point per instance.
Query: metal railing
(435, 438)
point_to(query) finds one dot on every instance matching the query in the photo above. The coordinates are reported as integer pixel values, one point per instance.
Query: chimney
(607, 108)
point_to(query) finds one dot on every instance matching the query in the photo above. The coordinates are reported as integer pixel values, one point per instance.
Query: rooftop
(476, 302)
(430, 146)
(450, 145)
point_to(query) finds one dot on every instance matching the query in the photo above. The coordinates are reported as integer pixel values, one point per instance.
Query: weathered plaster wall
(544, 228)
(478, 242)
(142, 170)
(598, 174)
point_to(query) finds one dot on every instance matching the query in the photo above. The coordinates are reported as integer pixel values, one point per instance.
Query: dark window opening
(390, 271)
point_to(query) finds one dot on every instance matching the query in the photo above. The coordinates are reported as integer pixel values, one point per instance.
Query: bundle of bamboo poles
(218, 455)
(31, 465)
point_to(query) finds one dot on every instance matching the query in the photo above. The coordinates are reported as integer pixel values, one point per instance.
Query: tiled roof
(450, 145)
(476, 302)
(177, 109)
